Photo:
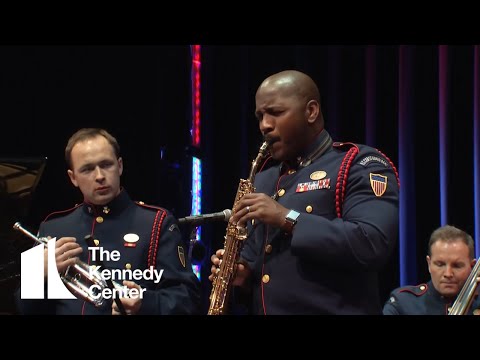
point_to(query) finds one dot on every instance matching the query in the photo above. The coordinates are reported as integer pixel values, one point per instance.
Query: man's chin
(449, 292)
(102, 200)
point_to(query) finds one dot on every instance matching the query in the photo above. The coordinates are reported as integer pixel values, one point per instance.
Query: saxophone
(233, 244)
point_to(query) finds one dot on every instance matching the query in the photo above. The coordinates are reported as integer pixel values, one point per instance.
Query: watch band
(290, 221)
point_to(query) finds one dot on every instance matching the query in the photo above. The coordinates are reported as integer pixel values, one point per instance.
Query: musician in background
(144, 236)
(325, 218)
(450, 260)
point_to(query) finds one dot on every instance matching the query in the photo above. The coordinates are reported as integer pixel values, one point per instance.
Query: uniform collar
(115, 206)
(317, 148)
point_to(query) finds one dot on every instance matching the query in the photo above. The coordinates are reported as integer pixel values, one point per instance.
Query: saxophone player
(325, 217)
(450, 260)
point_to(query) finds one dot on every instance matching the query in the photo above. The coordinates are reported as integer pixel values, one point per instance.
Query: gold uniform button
(99, 219)
(128, 266)
(422, 287)
(96, 242)
(309, 209)
(268, 249)
(291, 171)
(476, 312)
(141, 203)
(265, 278)
(281, 192)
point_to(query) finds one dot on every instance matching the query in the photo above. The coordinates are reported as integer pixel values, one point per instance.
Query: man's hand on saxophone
(242, 272)
(260, 207)
(257, 207)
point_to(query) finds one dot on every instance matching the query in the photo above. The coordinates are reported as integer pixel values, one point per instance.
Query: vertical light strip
(196, 63)
(402, 164)
(442, 118)
(197, 200)
(476, 147)
(196, 162)
(407, 228)
(196, 187)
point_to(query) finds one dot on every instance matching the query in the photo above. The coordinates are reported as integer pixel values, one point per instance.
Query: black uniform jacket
(422, 299)
(348, 225)
(144, 236)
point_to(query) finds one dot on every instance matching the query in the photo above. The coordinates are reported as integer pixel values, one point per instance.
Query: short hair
(451, 234)
(86, 134)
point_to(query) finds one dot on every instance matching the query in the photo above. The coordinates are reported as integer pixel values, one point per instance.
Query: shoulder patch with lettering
(368, 159)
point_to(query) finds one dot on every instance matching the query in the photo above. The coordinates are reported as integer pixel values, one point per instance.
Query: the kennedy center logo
(32, 283)
(33, 276)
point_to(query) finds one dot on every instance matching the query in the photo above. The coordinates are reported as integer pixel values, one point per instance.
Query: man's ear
(312, 110)
(120, 166)
(71, 175)
(428, 262)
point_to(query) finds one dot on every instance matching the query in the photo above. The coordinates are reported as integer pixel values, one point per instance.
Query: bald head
(287, 107)
(292, 83)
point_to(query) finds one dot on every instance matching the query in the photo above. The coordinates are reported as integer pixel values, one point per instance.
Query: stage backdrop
(418, 104)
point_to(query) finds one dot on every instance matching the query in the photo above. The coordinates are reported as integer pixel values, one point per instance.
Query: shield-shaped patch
(378, 183)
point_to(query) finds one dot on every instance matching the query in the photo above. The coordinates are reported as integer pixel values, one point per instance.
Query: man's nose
(266, 124)
(448, 271)
(98, 173)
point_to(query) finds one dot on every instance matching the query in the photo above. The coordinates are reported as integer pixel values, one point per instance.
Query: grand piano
(19, 178)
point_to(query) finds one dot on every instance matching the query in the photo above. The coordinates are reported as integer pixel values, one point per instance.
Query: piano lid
(19, 178)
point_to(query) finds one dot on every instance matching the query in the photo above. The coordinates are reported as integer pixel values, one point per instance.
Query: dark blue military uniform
(154, 240)
(422, 299)
(347, 228)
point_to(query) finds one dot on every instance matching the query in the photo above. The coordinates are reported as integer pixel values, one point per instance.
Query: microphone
(205, 218)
